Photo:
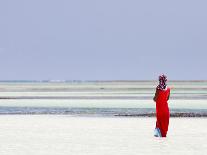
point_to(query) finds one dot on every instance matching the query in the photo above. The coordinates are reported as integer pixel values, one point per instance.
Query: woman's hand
(155, 97)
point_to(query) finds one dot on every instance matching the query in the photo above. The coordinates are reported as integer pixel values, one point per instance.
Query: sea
(100, 98)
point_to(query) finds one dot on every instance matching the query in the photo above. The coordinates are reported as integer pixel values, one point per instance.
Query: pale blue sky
(103, 40)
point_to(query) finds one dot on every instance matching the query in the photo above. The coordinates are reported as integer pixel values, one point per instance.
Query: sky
(103, 40)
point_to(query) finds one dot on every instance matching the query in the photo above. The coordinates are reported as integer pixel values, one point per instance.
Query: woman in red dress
(162, 111)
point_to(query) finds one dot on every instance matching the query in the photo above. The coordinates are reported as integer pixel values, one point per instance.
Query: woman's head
(162, 82)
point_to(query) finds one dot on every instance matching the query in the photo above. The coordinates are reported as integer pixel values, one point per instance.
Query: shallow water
(124, 95)
(60, 134)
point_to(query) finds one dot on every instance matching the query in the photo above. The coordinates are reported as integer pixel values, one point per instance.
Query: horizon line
(62, 81)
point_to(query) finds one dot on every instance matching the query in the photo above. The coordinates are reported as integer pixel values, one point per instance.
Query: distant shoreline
(98, 81)
(145, 115)
(99, 98)
(98, 112)
(177, 114)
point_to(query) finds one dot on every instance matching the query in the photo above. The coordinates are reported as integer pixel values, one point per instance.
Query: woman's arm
(168, 96)
(155, 97)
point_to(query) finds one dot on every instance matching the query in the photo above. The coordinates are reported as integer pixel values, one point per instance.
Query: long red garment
(162, 111)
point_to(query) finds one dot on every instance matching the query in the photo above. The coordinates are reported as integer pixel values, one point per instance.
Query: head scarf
(162, 82)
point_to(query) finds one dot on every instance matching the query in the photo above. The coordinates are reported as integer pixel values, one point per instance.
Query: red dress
(162, 111)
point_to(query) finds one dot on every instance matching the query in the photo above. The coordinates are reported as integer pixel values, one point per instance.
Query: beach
(101, 77)
(104, 118)
(63, 134)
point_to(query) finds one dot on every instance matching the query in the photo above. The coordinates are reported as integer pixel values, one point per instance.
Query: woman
(162, 111)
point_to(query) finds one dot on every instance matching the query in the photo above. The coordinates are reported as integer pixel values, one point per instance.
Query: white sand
(61, 135)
